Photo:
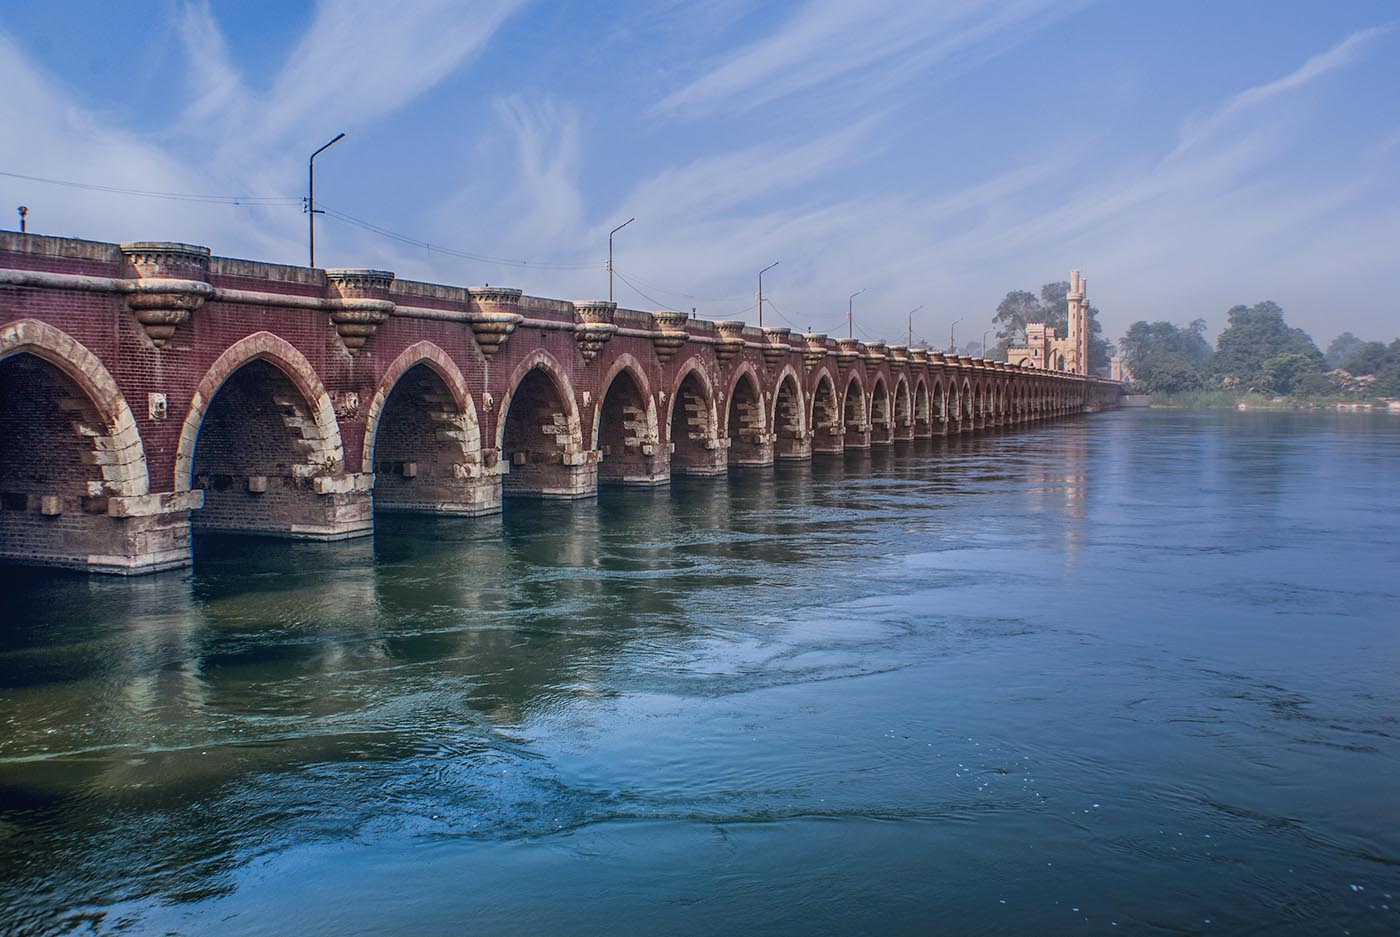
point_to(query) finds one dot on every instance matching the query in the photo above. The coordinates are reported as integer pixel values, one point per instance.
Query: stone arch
(967, 405)
(745, 423)
(74, 484)
(104, 419)
(423, 438)
(262, 442)
(692, 424)
(881, 412)
(626, 432)
(825, 414)
(539, 434)
(903, 409)
(320, 432)
(855, 415)
(923, 408)
(789, 418)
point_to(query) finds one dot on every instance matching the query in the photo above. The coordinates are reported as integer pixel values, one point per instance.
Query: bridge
(150, 390)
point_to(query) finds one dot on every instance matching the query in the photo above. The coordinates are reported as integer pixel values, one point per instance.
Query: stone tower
(1078, 324)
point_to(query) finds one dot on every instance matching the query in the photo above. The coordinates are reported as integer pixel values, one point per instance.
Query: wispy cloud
(828, 42)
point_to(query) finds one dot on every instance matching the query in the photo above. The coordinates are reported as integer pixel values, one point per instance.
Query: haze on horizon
(1187, 156)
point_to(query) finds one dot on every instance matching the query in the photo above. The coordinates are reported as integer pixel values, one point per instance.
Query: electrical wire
(656, 302)
(452, 251)
(237, 200)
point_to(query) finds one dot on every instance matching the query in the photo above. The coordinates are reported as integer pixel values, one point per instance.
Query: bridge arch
(789, 416)
(98, 419)
(825, 414)
(539, 434)
(692, 425)
(881, 419)
(625, 427)
(903, 409)
(855, 416)
(423, 438)
(746, 424)
(259, 435)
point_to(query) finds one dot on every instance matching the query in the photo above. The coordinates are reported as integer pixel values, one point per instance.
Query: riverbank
(1230, 400)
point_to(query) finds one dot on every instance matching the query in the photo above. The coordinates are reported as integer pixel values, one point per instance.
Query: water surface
(1130, 673)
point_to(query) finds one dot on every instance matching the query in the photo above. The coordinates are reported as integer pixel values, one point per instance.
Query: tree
(1166, 358)
(1342, 348)
(1366, 358)
(1257, 336)
(1013, 312)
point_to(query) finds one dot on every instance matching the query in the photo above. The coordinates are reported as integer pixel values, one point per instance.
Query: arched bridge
(149, 389)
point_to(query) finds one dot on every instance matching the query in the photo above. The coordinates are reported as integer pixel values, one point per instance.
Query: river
(1136, 672)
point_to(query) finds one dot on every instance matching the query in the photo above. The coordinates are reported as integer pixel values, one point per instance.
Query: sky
(1187, 156)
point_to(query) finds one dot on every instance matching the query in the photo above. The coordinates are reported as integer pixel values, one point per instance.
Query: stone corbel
(593, 326)
(875, 352)
(172, 281)
(775, 345)
(899, 352)
(919, 355)
(731, 339)
(359, 304)
(668, 333)
(815, 352)
(495, 314)
(849, 350)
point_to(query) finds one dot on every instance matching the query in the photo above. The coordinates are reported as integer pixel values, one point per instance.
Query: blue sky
(1187, 156)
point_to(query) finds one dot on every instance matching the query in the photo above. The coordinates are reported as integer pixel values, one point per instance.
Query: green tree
(1257, 336)
(1166, 358)
(1342, 348)
(1020, 307)
(1366, 358)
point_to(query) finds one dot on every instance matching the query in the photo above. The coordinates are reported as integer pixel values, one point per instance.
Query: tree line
(1257, 352)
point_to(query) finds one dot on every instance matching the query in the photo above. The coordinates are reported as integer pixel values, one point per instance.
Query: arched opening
(969, 408)
(257, 456)
(53, 497)
(746, 425)
(881, 424)
(426, 454)
(627, 434)
(826, 417)
(693, 429)
(542, 443)
(903, 411)
(854, 416)
(790, 420)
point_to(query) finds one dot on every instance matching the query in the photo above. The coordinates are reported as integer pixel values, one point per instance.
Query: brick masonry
(146, 389)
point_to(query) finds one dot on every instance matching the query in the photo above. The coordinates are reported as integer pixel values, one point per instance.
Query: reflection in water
(956, 678)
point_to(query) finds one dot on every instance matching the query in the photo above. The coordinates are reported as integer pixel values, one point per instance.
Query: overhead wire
(237, 200)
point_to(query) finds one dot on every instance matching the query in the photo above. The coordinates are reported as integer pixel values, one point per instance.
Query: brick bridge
(148, 389)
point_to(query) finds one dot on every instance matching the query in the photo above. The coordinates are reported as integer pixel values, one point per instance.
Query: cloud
(827, 42)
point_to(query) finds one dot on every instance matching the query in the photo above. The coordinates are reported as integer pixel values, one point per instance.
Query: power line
(702, 299)
(452, 251)
(631, 286)
(170, 196)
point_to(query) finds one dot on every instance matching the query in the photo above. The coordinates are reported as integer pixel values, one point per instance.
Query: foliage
(1342, 348)
(1165, 358)
(1256, 351)
(1365, 358)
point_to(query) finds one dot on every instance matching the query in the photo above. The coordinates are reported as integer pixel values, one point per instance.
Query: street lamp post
(984, 341)
(610, 265)
(850, 318)
(952, 342)
(760, 290)
(311, 211)
(910, 342)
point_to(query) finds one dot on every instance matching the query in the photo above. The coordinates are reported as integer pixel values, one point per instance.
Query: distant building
(1120, 370)
(1044, 347)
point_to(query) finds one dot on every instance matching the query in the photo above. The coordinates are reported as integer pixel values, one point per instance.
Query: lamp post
(23, 214)
(760, 290)
(311, 211)
(910, 342)
(952, 343)
(850, 319)
(610, 267)
(984, 340)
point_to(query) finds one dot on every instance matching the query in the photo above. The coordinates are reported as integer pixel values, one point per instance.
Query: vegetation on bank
(1259, 361)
